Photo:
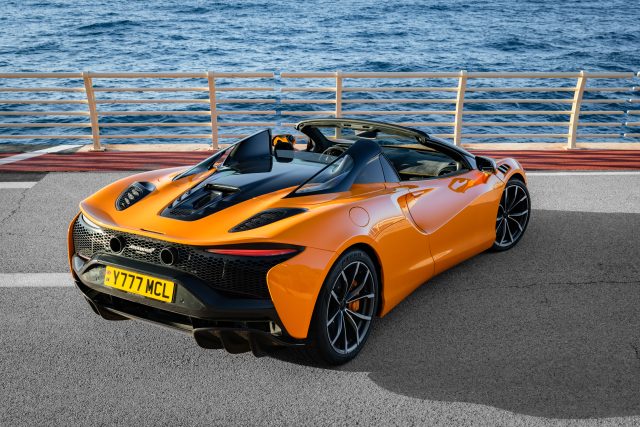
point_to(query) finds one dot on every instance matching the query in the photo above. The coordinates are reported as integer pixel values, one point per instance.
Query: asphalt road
(547, 333)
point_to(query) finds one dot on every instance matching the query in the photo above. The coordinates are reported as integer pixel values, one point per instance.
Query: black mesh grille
(235, 275)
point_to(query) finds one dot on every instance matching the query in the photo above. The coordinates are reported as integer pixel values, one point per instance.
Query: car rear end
(219, 294)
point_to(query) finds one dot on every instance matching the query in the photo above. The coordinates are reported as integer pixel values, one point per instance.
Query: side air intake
(133, 194)
(266, 217)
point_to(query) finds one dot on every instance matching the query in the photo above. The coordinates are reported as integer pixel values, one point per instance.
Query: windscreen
(347, 135)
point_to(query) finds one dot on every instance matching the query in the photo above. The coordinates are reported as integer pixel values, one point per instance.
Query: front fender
(514, 169)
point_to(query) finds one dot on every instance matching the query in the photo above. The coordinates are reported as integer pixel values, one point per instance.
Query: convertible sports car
(266, 244)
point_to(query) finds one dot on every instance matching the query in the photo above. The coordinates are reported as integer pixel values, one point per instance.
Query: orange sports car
(266, 243)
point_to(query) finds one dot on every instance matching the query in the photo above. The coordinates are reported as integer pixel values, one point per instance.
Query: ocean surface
(168, 35)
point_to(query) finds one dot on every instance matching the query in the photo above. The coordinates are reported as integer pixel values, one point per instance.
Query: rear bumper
(215, 320)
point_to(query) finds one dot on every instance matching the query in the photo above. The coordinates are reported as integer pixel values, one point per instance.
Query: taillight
(253, 252)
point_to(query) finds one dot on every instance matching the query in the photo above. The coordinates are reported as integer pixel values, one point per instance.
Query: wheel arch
(375, 258)
(518, 176)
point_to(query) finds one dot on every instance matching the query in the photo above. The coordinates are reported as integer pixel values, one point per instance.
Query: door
(452, 203)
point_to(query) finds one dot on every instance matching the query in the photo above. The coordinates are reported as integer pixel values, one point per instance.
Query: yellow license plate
(140, 284)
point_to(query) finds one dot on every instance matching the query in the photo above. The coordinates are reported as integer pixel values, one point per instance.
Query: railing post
(338, 111)
(457, 127)
(93, 111)
(575, 111)
(213, 109)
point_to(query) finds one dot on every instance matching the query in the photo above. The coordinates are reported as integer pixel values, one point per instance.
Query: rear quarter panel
(373, 216)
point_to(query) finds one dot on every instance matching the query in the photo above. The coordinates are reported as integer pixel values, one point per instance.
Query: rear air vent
(133, 194)
(266, 217)
(504, 168)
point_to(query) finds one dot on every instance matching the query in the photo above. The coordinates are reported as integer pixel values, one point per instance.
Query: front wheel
(513, 215)
(345, 309)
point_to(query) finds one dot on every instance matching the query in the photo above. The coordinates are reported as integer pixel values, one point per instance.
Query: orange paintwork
(70, 248)
(415, 229)
(467, 225)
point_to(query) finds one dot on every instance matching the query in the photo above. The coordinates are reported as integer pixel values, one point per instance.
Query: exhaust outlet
(169, 256)
(116, 244)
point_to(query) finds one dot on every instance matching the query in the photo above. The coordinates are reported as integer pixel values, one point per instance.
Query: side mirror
(485, 164)
(283, 142)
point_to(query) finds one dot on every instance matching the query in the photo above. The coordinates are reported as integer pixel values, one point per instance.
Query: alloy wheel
(513, 215)
(351, 307)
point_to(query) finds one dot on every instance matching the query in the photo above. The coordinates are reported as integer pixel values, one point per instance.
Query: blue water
(348, 35)
(167, 35)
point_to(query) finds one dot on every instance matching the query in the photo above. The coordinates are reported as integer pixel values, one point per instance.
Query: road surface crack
(531, 285)
(636, 350)
(15, 210)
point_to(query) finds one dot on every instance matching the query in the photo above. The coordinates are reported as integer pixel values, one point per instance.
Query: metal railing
(212, 100)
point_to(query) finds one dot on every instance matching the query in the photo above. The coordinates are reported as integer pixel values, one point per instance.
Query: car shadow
(550, 328)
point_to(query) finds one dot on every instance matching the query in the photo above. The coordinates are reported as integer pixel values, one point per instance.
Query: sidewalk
(74, 158)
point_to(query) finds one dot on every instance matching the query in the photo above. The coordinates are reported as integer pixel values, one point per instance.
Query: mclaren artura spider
(272, 243)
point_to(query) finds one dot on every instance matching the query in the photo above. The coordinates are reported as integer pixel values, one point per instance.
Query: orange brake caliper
(355, 305)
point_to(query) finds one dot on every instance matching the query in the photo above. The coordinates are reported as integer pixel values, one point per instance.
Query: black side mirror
(485, 164)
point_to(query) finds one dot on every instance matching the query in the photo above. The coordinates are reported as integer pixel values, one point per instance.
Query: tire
(513, 217)
(344, 312)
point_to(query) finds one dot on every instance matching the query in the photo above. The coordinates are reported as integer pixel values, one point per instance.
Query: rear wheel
(513, 215)
(345, 309)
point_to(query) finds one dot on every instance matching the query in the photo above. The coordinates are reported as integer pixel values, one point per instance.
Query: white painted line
(30, 154)
(35, 280)
(594, 173)
(16, 184)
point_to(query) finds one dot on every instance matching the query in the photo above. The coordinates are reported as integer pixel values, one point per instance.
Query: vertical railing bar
(338, 110)
(93, 111)
(575, 111)
(462, 88)
(213, 109)
(458, 123)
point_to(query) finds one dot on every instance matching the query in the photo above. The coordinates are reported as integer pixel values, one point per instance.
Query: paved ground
(548, 333)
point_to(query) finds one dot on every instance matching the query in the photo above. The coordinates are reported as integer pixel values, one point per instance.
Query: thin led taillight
(252, 252)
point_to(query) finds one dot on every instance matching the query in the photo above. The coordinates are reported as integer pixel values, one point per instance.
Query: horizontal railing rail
(574, 107)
